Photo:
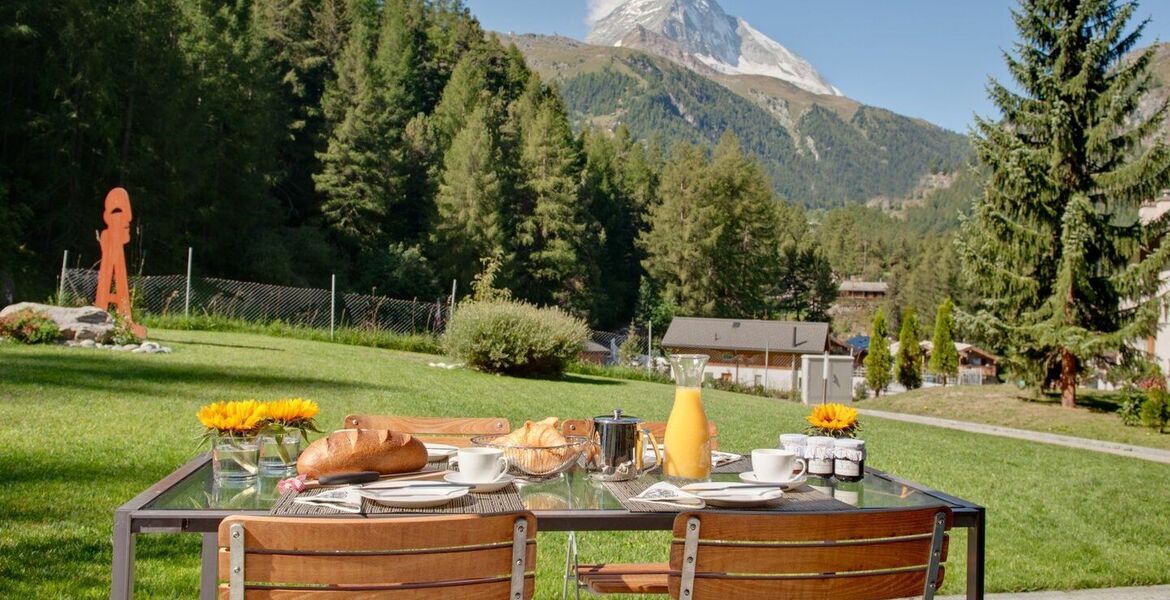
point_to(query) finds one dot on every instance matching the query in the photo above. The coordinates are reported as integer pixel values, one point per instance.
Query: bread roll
(362, 450)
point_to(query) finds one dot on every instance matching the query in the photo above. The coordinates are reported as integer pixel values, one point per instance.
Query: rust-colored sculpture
(113, 270)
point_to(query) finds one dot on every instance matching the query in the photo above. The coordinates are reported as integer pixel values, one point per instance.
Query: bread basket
(537, 461)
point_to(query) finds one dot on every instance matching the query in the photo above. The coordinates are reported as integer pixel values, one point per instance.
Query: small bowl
(538, 461)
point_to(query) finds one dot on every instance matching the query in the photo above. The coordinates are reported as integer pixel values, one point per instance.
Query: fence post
(187, 298)
(649, 346)
(332, 302)
(61, 285)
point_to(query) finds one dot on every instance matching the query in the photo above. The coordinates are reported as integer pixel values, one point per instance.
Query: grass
(1008, 406)
(86, 430)
(351, 336)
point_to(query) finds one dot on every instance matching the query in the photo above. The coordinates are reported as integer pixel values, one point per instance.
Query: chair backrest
(456, 431)
(462, 557)
(584, 427)
(869, 555)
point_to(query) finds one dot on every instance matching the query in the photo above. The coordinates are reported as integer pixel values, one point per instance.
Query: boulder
(76, 323)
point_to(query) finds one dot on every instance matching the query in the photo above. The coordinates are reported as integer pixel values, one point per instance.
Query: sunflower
(834, 420)
(292, 412)
(237, 417)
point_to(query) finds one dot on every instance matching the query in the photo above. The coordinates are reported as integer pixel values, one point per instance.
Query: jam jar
(819, 451)
(848, 460)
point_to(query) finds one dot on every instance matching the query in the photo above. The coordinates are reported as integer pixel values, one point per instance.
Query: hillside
(819, 150)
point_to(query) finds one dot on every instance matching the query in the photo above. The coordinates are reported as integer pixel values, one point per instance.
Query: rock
(72, 343)
(140, 350)
(150, 346)
(87, 344)
(76, 323)
(165, 350)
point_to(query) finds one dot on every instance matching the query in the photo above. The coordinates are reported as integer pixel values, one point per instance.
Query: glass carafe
(687, 440)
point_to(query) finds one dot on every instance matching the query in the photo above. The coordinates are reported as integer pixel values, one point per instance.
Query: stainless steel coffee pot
(620, 440)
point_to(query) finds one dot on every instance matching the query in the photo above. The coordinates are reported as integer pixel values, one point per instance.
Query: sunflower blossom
(836, 420)
(244, 416)
(292, 412)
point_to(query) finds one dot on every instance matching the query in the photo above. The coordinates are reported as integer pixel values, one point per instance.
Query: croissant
(543, 446)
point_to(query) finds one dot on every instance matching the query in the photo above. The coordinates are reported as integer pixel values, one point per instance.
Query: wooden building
(749, 351)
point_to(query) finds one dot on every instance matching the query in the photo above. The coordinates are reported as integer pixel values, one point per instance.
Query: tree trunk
(1068, 379)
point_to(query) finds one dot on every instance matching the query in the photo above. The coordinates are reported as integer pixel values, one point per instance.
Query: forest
(393, 143)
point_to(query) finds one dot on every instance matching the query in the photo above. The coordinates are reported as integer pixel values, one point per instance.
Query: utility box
(812, 379)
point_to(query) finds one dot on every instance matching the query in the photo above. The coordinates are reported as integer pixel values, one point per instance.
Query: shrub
(29, 327)
(754, 390)
(1156, 410)
(123, 333)
(514, 338)
(1130, 407)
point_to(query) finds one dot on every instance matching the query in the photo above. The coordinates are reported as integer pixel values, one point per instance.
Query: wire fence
(167, 295)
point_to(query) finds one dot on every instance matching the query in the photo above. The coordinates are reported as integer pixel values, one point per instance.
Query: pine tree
(944, 358)
(469, 226)
(877, 360)
(908, 363)
(1066, 272)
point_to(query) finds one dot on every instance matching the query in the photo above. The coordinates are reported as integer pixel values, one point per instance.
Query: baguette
(362, 450)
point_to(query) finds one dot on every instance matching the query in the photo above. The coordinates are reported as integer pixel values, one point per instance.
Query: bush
(1156, 410)
(514, 338)
(754, 390)
(123, 333)
(1130, 407)
(29, 327)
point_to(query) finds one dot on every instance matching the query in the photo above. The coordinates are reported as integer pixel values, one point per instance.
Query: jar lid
(617, 418)
(820, 440)
(850, 443)
(793, 436)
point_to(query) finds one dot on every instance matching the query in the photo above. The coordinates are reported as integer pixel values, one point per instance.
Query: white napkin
(345, 499)
(718, 459)
(668, 493)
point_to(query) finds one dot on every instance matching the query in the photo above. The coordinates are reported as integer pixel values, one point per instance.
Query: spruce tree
(469, 226)
(908, 363)
(944, 358)
(1066, 272)
(877, 360)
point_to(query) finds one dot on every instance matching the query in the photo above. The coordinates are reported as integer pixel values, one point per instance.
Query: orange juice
(687, 440)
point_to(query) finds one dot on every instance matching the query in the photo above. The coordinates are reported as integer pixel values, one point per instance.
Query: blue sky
(922, 58)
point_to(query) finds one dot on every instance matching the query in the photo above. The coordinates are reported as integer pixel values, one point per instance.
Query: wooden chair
(440, 430)
(870, 555)
(584, 427)
(461, 557)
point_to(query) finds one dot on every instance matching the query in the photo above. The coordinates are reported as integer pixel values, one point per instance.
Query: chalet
(862, 290)
(976, 366)
(749, 351)
(595, 353)
(1157, 346)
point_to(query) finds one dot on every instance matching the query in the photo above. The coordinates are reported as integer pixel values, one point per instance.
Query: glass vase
(235, 458)
(279, 453)
(687, 439)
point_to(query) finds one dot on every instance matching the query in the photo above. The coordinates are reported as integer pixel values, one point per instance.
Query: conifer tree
(469, 226)
(1066, 272)
(944, 358)
(908, 363)
(877, 360)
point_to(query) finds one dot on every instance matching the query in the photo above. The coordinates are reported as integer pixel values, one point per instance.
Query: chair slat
(857, 587)
(812, 526)
(835, 558)
(307, 534)
(496, 590)
(359, 569)
(456, 426)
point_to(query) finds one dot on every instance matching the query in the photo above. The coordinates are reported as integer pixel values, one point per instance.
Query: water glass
(234, 458)
(279, 453)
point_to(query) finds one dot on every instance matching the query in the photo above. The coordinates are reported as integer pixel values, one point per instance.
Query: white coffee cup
(482, 464)
(776, 465)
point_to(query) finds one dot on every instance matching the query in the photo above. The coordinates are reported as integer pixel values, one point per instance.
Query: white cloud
(601, 8)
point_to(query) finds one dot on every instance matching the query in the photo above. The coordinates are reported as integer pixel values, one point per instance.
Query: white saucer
(437, 452)
(421, 499)
(791, 484)
(480, 488)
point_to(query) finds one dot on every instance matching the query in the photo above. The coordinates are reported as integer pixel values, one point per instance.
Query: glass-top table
(189, 501)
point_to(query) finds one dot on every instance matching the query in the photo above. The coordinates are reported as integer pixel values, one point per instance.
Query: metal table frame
(133, 518)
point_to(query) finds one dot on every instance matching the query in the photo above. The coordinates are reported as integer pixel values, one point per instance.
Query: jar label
(820, 467)
(847, 468)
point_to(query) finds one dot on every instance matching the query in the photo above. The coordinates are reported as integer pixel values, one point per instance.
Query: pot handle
(638, 460)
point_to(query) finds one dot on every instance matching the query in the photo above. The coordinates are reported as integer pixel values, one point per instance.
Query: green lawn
(86, 430)
(1007, 406)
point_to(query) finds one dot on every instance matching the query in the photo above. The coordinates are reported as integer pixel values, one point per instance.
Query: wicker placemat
(502, 501)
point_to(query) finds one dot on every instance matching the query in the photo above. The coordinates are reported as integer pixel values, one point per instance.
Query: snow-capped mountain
(701, 29)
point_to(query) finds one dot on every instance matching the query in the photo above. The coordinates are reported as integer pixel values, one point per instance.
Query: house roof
(864, 286)
(794, 337)
(960, 347)
(858, 342)
(592, 346)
